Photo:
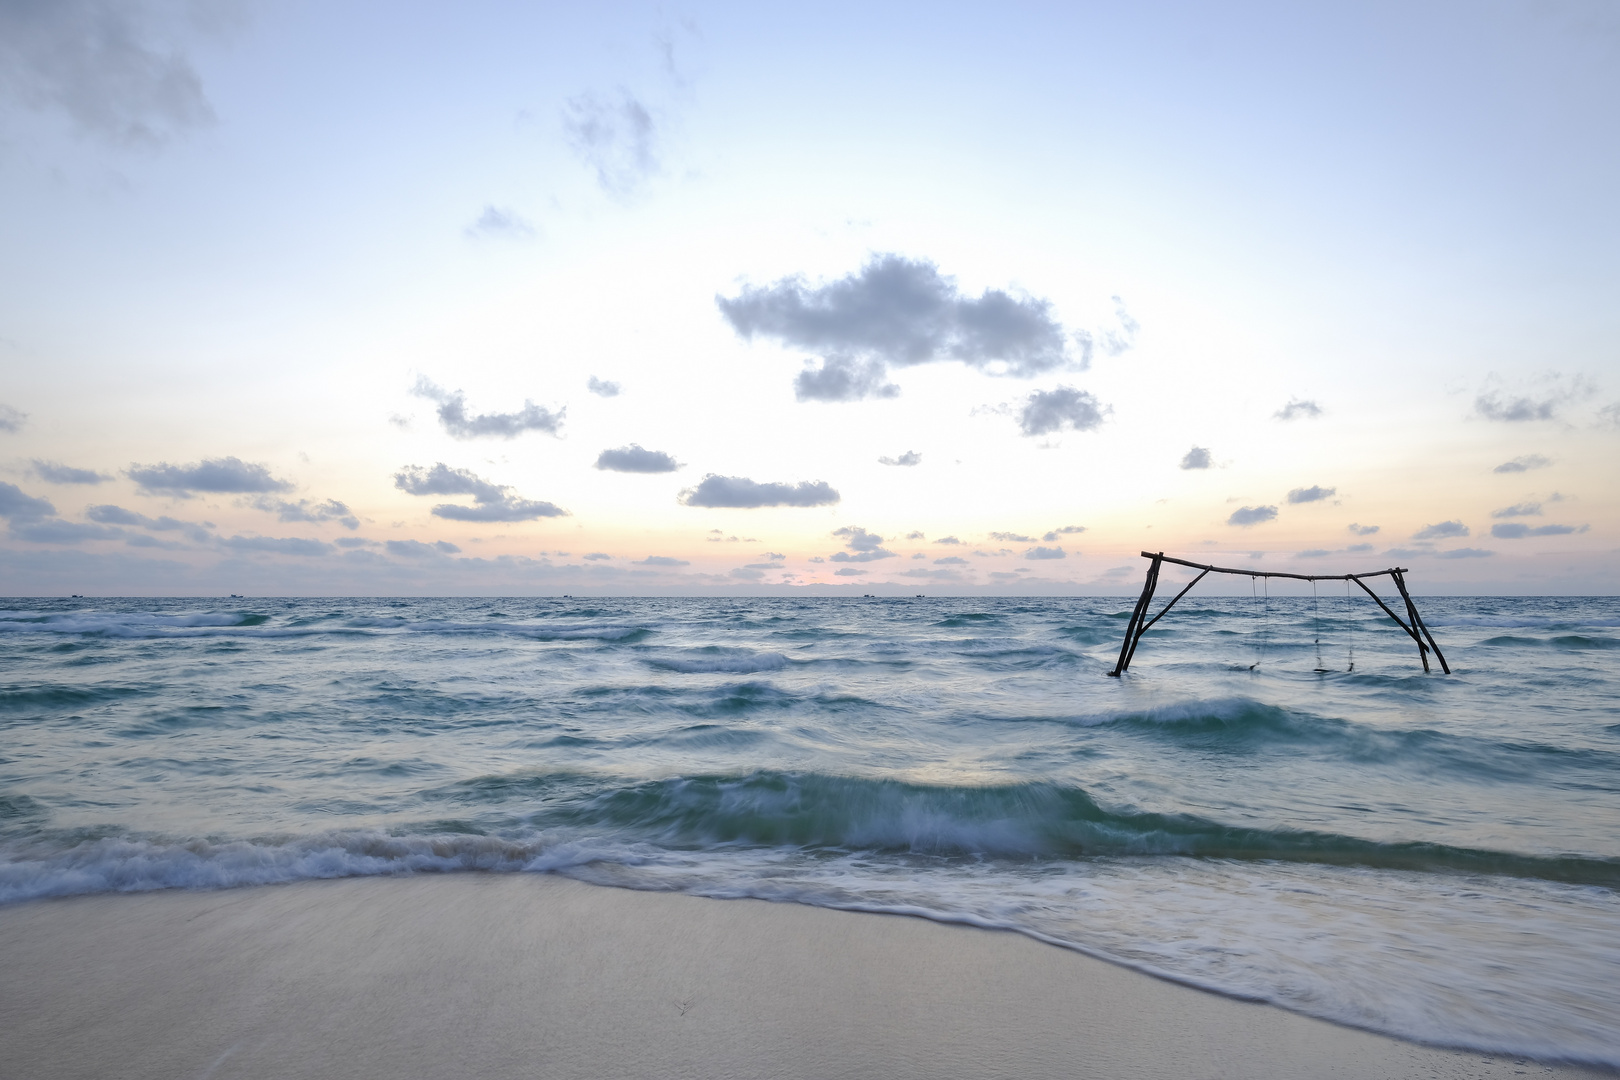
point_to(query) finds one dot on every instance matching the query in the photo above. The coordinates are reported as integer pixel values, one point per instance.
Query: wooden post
(1411, 613)
(1128, 646)
(1417, 622)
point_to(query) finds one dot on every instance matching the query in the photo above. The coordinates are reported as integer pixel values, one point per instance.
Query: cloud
(117, 515)
(1252, 515)
(1526, 509)
(305, 510)
(848, 571)
(416, 549)
(1313, 553)
(947, 540)
(57, 531)
(1038, 553)
(11, 419)
(1496, 406)
(496, 223)
(633, 459)
(20, 506)
(1363, 530)
(1046, 411)
(1012, 538)
(910, 457)
(897, 312)
(1517, 530)
(114, 68)
(1465, 553)
(867, 546)
(763, 566)
(1441, 531)
(597, 556)
(741, 493)
(495, 501)
(1115, 342)
(277, 545)
(951, 560)
(602, 387)
(1311, 494)
(226, 476)
(1196, 458)
(615, 137)
(1066, 530)
(1297, 408)
(54, 472)
(841, 378)
(662, 560)
(1523, 463)
(453, 415)
(354, 542)
(773, 556)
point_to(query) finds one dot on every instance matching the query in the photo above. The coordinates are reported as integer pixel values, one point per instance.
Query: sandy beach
(537, 976)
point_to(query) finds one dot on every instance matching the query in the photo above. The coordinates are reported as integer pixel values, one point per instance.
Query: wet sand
(522, 975)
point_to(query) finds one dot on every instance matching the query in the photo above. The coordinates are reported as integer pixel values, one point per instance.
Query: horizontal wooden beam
(1273, 573)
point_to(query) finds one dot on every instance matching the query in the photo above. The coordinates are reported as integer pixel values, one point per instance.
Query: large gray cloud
(616, 137)
(896, 311)
(495, 502)
(115, 68)
(1314, 493)
(455, 420)
(1046, 411)
(1252, 515)
(18, 505)
(54, 472)
(215, 476)
(633, 459)
(742, 493)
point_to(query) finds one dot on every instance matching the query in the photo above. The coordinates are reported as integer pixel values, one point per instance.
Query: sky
(493, 298)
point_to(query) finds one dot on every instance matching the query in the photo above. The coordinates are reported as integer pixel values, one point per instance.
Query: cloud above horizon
(495, 502)
(12, 420)
(498, 223)
(633, 459)
(1441, 531)
(212, 476)
(455, 421)
(1196, 458)
(896, 312)
(603, 387)
(1314, 493)
(1299, 408)
(739, 492)
(307, 510)
(905, 460)
(616, 137)
(1252, 515)
(1523, 463)
(863, 546)
(1064, 408)
(54, 472)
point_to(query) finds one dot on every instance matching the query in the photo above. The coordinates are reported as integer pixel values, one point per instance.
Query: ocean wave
(218, 624)
(734, 661)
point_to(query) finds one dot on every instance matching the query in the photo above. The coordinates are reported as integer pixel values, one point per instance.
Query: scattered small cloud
(1115, 342)
(597, 556)
(1197, 458)
(1252, 515)
(306, 510)
(1523, 463)
(848, 571)
(1313, 553)
(1543, 399)
(1066, 530)
(12, 420)
(496, 502)
(354, 542)
(1465, 553)
(742, 493)
(951, 560)
(896, 312)
(1012, 538)
(947, 540)
(1045, 553)
(1362, 530)
(1518, 530)
(910, 457)
(1299, 409)
(214, 476)
(416, 549)
(1047, 411)
(1359, 547)
(276, 545)
(662, 560)
(863, 546)
(1441, 531)
(56, 531)
(498, 223)
(773, 556)
(763, 566)
(633, 459)
(116, 515)
(455, 421)
(1311, 494)
(616, 137)
(1524, 509)
(602, 387)
(54, 472)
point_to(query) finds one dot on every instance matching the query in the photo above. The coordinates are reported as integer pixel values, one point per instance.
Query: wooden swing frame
(1140, 624)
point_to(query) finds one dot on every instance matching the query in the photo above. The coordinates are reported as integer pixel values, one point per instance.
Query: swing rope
(1316, 619)
(1265, 620)
(1350, 624)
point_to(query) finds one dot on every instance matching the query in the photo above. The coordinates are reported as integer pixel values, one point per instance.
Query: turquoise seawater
(1431, 856)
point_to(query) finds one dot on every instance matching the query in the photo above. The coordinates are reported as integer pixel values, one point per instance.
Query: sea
(1275, 802)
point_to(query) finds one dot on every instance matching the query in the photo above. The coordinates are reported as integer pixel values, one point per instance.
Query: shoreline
(497, 975)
